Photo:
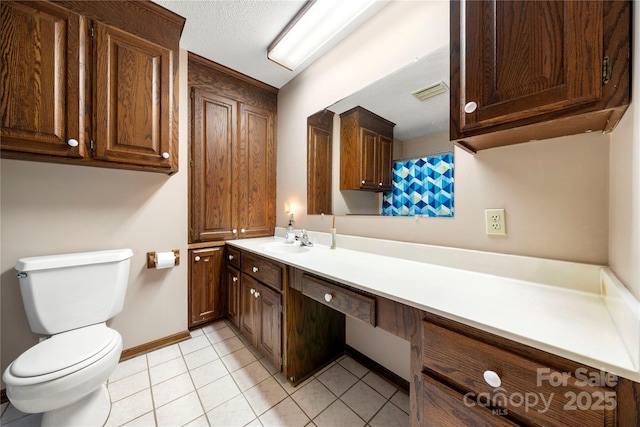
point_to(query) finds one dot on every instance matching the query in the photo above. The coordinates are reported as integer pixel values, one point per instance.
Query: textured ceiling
(237, 33)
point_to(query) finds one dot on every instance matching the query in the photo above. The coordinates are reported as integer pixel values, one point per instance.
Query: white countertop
(567, 322)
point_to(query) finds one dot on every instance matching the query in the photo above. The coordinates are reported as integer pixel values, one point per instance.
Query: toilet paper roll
(165, 260)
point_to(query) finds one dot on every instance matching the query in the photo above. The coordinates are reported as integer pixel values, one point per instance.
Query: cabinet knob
(242, 230)
(235, 279)
(196, 259)
(72, 142)
(252, 291)
(230, 257)
(256, 294)
(328, 297)
(470, 107)
(234, 231)
(255, 269)
(379, 184)
(492, 378)
(165, 155)
(363, 181)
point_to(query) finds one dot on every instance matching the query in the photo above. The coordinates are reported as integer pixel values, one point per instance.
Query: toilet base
(91, 410)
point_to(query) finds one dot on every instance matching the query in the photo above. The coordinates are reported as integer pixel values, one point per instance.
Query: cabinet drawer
(528, 391)
(351, 303)
(233, 256)
(444, 407)
(262, 269)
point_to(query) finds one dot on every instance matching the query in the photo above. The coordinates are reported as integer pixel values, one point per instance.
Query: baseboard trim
(374, 366)
(154, 345)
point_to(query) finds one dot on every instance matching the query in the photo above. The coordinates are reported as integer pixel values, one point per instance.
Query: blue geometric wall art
(422, 187)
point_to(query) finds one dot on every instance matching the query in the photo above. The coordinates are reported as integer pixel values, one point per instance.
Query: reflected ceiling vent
(430, 91)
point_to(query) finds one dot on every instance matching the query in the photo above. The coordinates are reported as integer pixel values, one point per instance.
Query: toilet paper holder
(151, 258)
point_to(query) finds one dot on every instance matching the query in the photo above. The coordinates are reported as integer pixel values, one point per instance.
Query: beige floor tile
(380, 385)
(130, 408)
(354, 367)
(338, 415)
(129, 367)
(234, 413)
(146, 420)
(390, 416)
(200, 357)
(208, 373)
(180, 411)
(172, 389)
(164, 354)
(216, 393)
(401, 400)
(221, 334)
(265, 395)
(313, 397)
(250, 375)
(228, 346)
(238, 359)
(193, 344)
(128, 385)
(166, 370)
(337, 379)
(285, 413)
(363, 400)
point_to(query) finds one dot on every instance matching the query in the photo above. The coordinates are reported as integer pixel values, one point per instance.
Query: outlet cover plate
(495, 222)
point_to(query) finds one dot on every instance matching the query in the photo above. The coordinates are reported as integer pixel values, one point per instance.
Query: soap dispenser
(290, 235)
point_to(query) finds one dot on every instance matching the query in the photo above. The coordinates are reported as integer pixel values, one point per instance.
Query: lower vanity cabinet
(206, 293)
(471, 377)
(233, 285)
(261, 306)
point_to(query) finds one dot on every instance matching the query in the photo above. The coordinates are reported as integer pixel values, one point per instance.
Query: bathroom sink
(284, 248)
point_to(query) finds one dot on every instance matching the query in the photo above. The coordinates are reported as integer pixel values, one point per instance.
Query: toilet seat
(63, 354)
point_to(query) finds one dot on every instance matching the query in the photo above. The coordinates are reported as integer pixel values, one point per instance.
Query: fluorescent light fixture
(315, 25)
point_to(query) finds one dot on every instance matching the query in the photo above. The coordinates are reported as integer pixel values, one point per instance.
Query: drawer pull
(328, 297)
(252, 291)
(72, 142)
(230, 257)
(492, 378)
(165, 155)
(234, 231)
(255, 269)
(197, 258)
(256, 294)
(235, 279)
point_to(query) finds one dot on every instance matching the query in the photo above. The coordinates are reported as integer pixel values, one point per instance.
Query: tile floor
(217, 379)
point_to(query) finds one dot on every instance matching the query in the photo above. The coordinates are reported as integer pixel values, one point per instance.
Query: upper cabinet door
(40, 88)
(133, 100)
(257, 174)
(526, 58)
(213, 153)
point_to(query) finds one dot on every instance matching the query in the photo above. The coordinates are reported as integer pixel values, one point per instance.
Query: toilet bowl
(64, 375)
(59, 372)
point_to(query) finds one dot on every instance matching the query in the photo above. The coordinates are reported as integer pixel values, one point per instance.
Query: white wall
(624, 185)
(52, 208)
(555, 192)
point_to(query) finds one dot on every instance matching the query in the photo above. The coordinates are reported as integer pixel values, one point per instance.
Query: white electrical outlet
(495, 221)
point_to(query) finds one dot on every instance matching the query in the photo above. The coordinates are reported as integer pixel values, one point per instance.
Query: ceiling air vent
(430, 91)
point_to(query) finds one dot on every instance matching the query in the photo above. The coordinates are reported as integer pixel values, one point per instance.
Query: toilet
(68, 298)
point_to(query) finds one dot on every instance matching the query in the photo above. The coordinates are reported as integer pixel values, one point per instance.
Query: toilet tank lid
(72, 259)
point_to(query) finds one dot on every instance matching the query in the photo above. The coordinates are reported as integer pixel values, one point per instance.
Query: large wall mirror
(422, 153)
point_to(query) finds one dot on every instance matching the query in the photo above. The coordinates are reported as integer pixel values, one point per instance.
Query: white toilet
(69, 298)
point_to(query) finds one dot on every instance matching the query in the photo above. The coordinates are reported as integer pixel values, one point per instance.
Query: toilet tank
(69, 291)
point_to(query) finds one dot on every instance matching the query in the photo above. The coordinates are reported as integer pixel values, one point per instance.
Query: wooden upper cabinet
(366, 149)
(40, 90)
(233, 154)
(133, 96)
(319, 162)
(517, 65)
(91, 83)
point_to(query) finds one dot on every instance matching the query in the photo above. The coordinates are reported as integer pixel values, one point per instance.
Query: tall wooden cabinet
(90, 83)
(523, 70)
(319, 162)
(233, 173)
(366, 151)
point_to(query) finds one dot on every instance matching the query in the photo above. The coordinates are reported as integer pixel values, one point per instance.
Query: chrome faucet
(304, 239)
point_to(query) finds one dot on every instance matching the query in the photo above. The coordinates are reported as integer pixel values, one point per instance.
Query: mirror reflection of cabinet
(366, 151)
(319, 149)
